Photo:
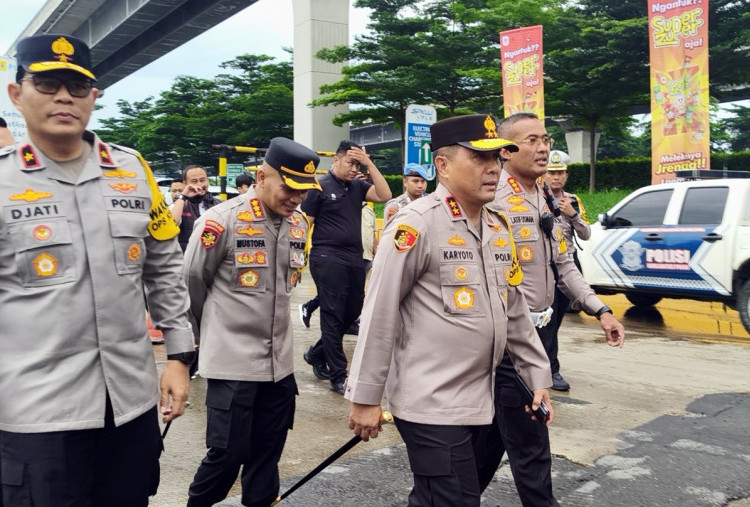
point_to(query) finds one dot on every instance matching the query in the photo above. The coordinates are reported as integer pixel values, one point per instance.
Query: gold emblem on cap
(555, 158)
(63, 49)
(489, 124)
(310, 167)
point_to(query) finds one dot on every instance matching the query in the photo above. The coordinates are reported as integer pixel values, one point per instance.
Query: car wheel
(743, 304)
(642, 299)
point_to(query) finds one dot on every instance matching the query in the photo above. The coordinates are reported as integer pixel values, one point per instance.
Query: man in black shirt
(192, 202)
(336, 257)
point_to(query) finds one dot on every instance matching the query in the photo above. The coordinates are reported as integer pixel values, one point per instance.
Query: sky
(263, 28)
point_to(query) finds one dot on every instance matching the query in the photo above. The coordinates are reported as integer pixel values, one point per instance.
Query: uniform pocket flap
(12, 474)
(40, 234)
(128, 225)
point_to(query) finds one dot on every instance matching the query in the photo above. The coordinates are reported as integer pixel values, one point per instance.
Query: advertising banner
(14, 119)
(678, 42)
(521, 60)
(417, 133)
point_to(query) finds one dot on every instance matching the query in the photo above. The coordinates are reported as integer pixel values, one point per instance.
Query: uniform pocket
(44, 252)
(128, 231)
(461, 290)
(15, 488)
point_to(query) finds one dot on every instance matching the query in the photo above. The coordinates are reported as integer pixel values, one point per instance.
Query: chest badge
(249, 231)
(296, 232)
(525, 232)
(502, 243)
(462, 273)
(30, 196)
(124, 188)
(457, 241)
(249, 278)
(41, 232)
(245, 216)
(45, 264)
(134, 252)
(525, 253)
(119, 173)
(464, 298)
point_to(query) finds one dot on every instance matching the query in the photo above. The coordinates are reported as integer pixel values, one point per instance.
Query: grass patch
(601, 201)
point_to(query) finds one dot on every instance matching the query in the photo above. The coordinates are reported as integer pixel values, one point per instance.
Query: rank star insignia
(405, 237)
(456, 240)
(249, 278)
(28, 157)
(245, 216)
(104, 156)
(257, 208)
(119, 173)
(41, 232)
(453, 206)
(30, 196)
(124, 188)
(464, 298)
(134, 252)
(514, 185)
(45, 265)
(249, 231)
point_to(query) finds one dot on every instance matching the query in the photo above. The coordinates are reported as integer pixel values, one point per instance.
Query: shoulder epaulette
(124, 148)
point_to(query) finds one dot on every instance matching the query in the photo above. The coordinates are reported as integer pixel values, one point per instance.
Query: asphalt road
(661, 422)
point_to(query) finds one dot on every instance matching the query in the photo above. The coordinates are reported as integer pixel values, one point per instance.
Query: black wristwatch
(185, 357)
(182, 197)
(603, 309)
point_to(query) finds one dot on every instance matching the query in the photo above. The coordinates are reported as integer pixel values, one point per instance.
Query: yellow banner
(678, 42)
(521, 60)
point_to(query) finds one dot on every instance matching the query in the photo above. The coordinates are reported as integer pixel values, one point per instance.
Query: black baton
(385, 417)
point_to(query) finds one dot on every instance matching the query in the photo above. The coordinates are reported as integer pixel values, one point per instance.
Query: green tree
(737, 127)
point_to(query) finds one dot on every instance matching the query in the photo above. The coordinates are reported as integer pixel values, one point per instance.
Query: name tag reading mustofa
(251, 243)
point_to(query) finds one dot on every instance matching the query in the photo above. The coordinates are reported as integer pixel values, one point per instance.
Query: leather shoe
(338, 387)
(304, 315)
(320, 370)
(559, 383)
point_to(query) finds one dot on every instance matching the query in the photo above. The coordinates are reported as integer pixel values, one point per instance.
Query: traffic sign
(234, 170)
(418, 121)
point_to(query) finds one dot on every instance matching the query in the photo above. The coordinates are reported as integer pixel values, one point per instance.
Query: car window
(646, 209)
(704, 206)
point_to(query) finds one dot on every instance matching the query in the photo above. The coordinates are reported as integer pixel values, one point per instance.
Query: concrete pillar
(317, 24)
(579, 145)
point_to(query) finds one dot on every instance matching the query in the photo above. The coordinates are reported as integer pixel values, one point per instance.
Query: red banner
(521, 60)
(678, 42)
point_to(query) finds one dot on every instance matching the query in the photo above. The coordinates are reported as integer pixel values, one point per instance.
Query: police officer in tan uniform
(242, 261)
(572, 220)
(415, 184)
(441, 307)
(83, 228)
(542, 253)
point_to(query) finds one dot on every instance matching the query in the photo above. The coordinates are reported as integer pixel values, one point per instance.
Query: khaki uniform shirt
(75, 257)
(394, 206)
(578, 223)
(240, 267)
(535, 250)
(438, 314)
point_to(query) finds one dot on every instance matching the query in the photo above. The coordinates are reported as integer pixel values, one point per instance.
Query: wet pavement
(662, 422)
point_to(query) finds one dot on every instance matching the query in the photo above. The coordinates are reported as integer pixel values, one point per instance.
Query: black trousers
(442, 459)
(116, 467)
(526, 441)
(341, 290)
(560, 307)
(247, 427)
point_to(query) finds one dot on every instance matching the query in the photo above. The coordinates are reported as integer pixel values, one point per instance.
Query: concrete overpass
(125, 35)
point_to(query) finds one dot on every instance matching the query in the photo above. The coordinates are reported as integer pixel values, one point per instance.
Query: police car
(689, 239)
